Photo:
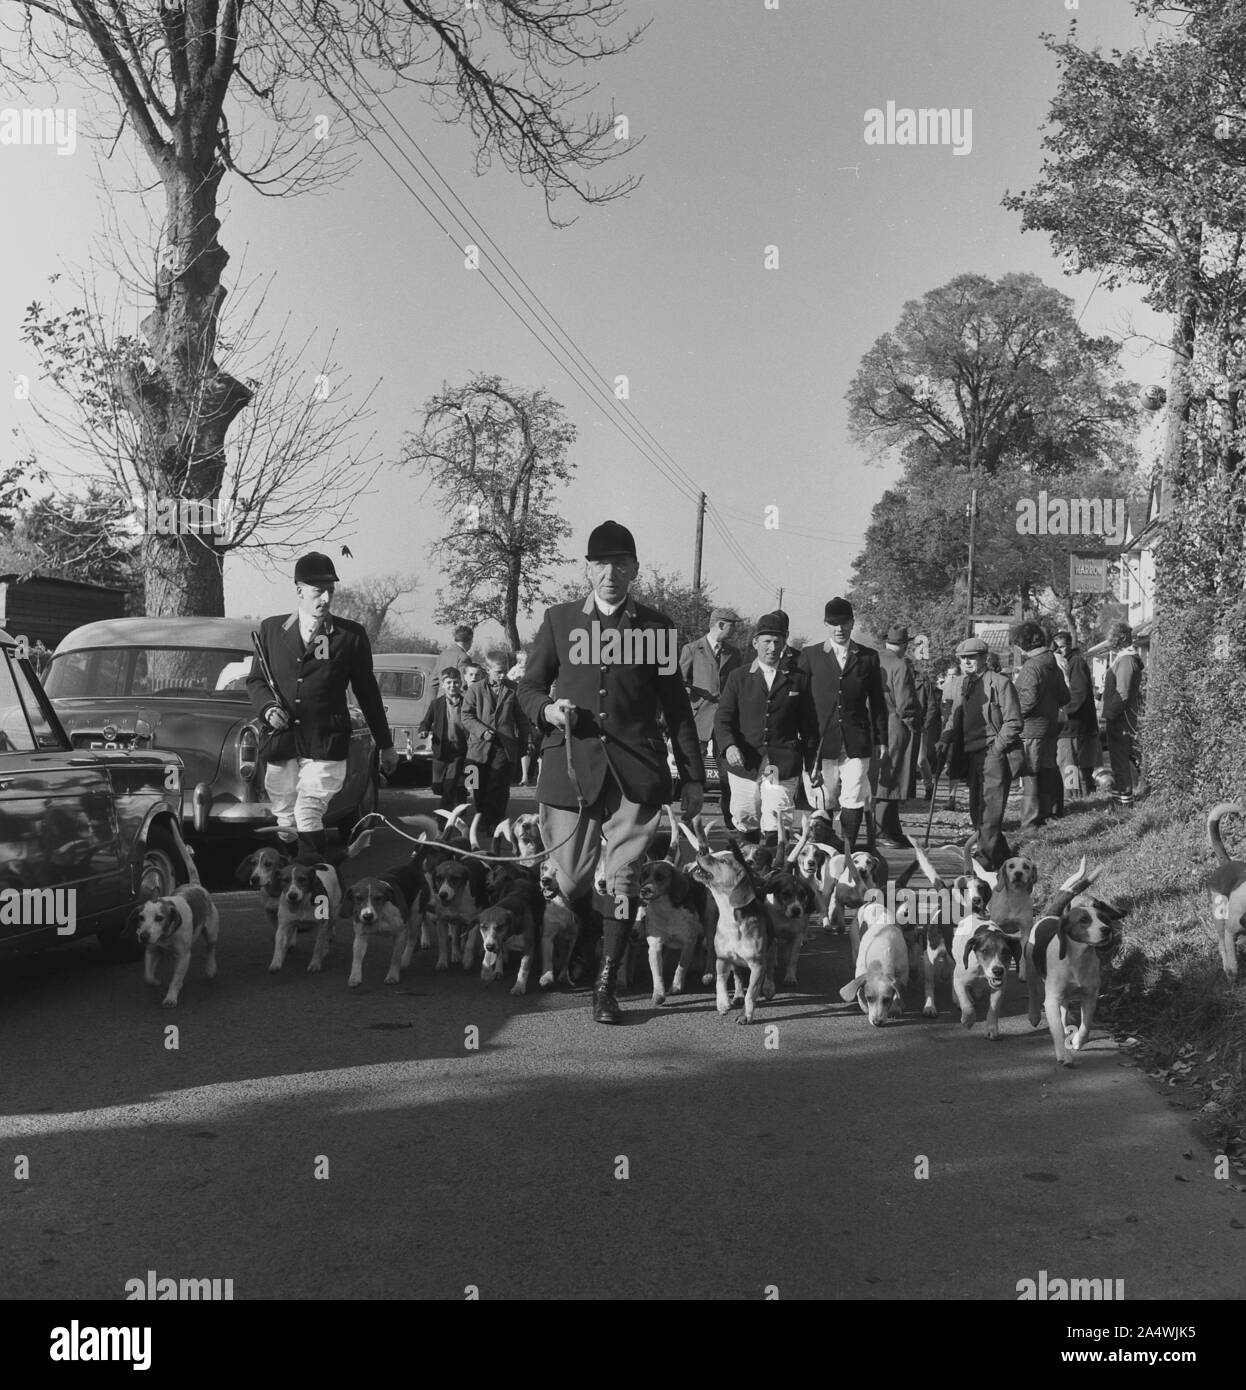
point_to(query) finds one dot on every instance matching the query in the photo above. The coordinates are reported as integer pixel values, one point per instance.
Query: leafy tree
(216, 91)
(1143, 182)
(990, 385)
(978, 369)
(916, 548)
(496, 455)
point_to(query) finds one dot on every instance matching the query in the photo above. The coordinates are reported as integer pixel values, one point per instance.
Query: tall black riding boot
(850, 824)
(616, 932)
(583, 963)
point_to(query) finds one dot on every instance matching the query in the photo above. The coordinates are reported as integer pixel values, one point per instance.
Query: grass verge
(1167, 988)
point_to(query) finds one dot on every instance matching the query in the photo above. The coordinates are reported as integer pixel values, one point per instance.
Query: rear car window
(152, 672)
(406, 685)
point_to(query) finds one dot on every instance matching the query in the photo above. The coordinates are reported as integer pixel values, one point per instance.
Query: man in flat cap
(982, 743)
(704, 664)
(766, 719)
(312, 657)
(615, 661)
(904, 716)
(847, 685)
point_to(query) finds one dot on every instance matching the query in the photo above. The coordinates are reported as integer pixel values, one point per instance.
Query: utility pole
(780, 604)
(696, 558)
(973, 526)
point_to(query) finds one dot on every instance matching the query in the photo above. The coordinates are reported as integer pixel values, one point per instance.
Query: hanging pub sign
(1088, 574)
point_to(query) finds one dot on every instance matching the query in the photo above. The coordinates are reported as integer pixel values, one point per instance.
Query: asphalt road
(676, 1156)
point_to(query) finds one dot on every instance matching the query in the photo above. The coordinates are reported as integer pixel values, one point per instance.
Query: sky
(754, 124)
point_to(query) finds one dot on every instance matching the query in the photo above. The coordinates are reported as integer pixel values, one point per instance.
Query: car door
(58, 827)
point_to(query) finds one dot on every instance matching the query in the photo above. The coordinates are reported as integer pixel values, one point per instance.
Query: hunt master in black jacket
(312, 689)
(617, 702)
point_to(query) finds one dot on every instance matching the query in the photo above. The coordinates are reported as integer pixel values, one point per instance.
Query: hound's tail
(1223, 808)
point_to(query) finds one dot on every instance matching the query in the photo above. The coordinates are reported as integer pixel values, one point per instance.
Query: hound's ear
(734, 845)
(242, 874)
(1033, 877)
(1062, 931)
(849, 991)
(988, 876)
(969, 948)
(347, 909)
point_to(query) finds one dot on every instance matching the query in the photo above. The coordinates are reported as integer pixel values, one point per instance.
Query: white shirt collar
(609, 609)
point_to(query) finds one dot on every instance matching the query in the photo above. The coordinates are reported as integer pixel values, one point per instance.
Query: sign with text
(1088, 574)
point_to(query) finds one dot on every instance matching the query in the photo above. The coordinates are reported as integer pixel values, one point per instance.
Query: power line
(559, 354)
(640, 438)
(793, 530)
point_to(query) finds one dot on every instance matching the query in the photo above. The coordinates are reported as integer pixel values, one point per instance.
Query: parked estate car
(408, 682)
(180, 684)
(84, 833)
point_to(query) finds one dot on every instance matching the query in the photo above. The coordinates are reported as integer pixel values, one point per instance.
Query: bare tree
(291, 475)
(370, 601)
(495, 454)
(218, 88)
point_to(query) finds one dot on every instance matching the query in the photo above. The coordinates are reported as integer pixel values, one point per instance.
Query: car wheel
(158, 871)
(367, 804)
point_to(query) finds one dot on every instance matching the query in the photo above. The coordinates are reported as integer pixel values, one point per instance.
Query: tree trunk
(185, 404)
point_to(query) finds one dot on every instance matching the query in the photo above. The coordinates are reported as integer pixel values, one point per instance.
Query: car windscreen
(24, 726)
(152, 673)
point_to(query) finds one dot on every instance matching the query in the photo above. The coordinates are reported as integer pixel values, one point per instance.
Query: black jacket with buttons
(616, 727)
(851, 705)
(777, 725)
(313, 688)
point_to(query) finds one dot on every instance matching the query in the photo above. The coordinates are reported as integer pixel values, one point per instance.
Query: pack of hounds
(733, 916)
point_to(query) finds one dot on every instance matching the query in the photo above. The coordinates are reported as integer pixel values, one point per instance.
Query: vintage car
(408, 683)
(180, 684)
(84, 833)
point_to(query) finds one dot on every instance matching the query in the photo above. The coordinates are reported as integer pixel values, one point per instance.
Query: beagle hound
(791, 903)
(460, 895)
(390, 904)
(882, 968)
(262, 871)
(1069, 949)
(310, 897)
(511, 923)
(744, 938)
(1227, 886)
(981, 951)
(172, 925)
(929, 921)
(1013, 885)
(675, 913)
